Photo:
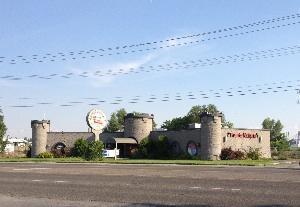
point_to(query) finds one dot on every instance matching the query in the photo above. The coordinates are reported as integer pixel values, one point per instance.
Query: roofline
(246, 129)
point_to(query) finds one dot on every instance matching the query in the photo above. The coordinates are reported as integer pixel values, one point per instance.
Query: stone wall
(69, 138)
(107, 137)
(241, 139)
(244, 139)
(182, 137)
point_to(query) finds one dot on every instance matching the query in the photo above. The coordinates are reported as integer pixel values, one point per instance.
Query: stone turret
(39, 136)
(211, 136)
(138, 126)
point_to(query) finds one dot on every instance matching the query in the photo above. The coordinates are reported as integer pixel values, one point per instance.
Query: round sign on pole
(96, 119)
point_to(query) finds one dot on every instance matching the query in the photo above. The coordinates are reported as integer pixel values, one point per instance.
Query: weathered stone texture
(138, 126)
(182, 137)
(244, 143)
(69, 138)
(107, 137)
(209, 140)
(39, 136)
(211, 136)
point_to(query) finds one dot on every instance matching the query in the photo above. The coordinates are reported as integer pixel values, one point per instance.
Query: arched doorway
(59, 149)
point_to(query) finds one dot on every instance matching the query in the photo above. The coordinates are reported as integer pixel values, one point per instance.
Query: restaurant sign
(247, 135)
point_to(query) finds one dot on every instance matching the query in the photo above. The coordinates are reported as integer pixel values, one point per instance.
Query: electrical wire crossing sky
(59, 59)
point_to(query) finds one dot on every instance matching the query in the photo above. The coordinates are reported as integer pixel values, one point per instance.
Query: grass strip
(143, 161)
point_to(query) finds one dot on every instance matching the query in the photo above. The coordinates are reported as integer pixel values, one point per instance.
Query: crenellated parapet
(211, 136)
(138, 126)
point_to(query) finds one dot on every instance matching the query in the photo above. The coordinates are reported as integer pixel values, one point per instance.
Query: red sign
(242, 135)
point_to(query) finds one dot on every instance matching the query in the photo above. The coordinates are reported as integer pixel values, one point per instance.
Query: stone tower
(39, 136)
(138, 126)
(211, 136)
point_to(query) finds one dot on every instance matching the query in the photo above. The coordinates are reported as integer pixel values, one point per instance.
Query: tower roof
(219, 114)
(139, 115)
(40, 121)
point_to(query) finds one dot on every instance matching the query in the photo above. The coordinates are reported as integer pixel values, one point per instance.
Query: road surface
(38, 184)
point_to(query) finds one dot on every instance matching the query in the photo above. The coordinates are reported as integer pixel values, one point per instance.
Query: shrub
(291, 154)
(45, 155)
(154, 149)
(28, 153)
(280, 145)
(94, 150)
(63, 152)
(239, 155)
(142, 151)
(253, 154)
(80, 147)
(162, 148)
(226, 153)
(282, 156)
(88, 150)
(229, 154)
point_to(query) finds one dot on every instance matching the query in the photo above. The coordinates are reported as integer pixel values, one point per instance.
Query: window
(192, 148)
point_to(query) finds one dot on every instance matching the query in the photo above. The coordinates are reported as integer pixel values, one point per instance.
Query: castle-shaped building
(205, 142)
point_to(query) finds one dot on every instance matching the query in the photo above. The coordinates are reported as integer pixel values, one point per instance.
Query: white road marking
(60, 181)
(195, 187)
(40, 168)
(36, 180)
(24, 169)
(217, 188)
(235, 189)
(252, 179)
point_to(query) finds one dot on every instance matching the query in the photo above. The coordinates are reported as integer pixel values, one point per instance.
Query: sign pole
(116, 148)
(96, 134)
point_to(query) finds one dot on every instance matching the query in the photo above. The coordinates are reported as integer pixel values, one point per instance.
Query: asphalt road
(39, 185)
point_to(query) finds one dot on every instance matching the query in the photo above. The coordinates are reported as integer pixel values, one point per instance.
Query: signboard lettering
(246, 135)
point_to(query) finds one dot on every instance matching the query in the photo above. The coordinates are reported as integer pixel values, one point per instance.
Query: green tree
(193, 116)
(116, 121)
(195, 111)
(121, 113)
(278, 138)
(113, 124)
(2, 132)
(275, 128)
(177, 123)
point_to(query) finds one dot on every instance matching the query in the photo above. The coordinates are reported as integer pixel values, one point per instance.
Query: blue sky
(50, 27)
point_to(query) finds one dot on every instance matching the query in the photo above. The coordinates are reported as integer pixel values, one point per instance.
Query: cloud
(132, 65)
(104, 81)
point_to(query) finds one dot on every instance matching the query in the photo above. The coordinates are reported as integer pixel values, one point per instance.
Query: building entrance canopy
(125, 140)
(125, 145)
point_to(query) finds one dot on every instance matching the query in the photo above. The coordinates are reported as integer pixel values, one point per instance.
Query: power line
(187, 64)
(266, 88)
(148, 46)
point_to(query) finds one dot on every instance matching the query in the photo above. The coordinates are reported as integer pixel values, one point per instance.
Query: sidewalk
(286, 164)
